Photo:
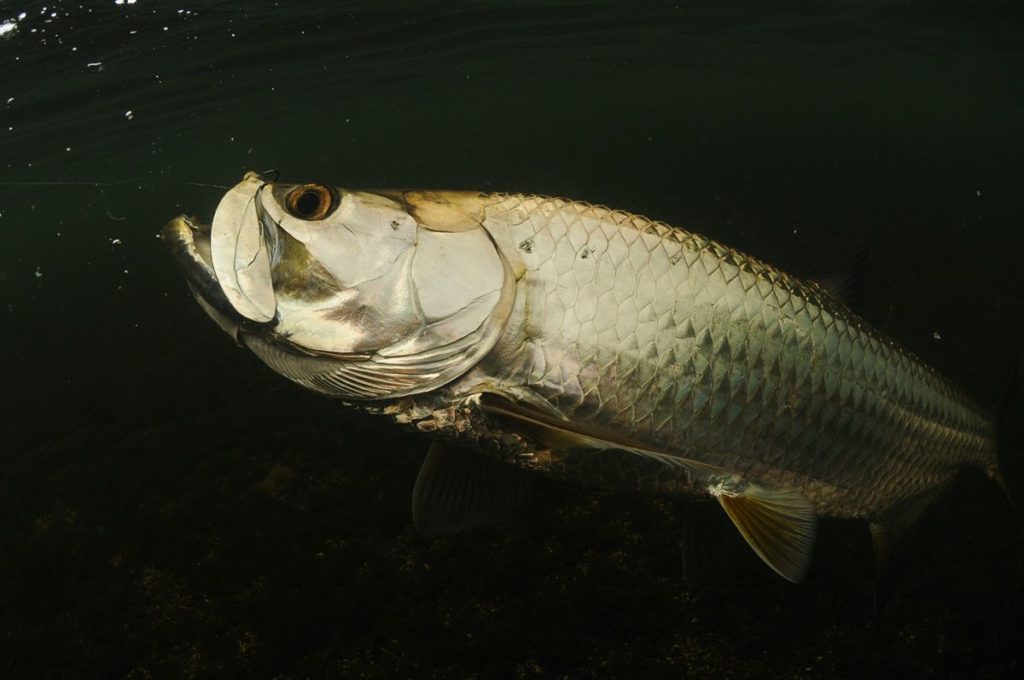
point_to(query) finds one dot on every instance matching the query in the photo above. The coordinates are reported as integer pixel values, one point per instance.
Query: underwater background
(171, 508)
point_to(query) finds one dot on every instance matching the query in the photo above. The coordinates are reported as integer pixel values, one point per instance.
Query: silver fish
(587, 344)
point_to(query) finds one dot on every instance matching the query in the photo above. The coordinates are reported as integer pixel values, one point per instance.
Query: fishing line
(83, 183)
(263, 175)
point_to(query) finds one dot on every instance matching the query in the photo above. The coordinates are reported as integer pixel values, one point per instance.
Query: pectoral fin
(778, 524)
(562, 434)
(460, 490)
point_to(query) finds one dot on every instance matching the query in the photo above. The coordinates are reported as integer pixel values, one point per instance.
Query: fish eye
(311, 201)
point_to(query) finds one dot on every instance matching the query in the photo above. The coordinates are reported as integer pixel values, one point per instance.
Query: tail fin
(1005, 424)
(1015, 386)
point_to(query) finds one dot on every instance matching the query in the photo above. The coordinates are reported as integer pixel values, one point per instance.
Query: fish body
(587, 344)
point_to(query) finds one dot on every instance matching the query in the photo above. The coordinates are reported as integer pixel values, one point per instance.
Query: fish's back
(629, 325)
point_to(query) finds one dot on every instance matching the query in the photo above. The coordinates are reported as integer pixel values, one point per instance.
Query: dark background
(170, 508)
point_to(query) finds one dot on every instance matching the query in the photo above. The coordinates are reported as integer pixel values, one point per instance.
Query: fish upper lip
(195, 225)
(179, 236)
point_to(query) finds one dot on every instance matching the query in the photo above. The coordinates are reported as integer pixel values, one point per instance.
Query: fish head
(357, 294)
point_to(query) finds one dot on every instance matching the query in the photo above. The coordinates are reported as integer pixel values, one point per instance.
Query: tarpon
(587, 344)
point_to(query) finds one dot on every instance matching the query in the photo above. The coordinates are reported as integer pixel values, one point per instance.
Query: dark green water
(170, 508)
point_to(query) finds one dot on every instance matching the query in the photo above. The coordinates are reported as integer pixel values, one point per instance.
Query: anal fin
(779, 525)
(459, 490)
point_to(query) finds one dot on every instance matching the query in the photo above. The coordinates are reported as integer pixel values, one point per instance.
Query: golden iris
(311, 201)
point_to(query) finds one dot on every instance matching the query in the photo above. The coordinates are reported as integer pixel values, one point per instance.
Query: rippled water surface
(169, 508)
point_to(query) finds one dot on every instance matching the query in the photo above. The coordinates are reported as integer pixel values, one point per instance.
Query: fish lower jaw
(189, 243)
(189, 235)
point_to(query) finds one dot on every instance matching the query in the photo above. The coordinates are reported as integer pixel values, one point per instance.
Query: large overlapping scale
(632, 324)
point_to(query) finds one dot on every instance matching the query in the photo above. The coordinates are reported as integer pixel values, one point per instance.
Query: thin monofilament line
(84, 183)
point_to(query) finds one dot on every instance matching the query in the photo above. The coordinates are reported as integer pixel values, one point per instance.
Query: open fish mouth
(227, 262)
(188, 240)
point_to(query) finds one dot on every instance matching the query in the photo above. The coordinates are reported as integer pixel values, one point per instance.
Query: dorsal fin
(846, 282)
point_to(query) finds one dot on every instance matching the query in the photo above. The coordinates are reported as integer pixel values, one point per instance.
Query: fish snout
(188, 241)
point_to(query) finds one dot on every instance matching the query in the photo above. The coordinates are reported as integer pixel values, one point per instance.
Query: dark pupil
(308, 203)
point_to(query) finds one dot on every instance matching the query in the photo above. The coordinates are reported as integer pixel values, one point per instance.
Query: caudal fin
(1008, 434)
